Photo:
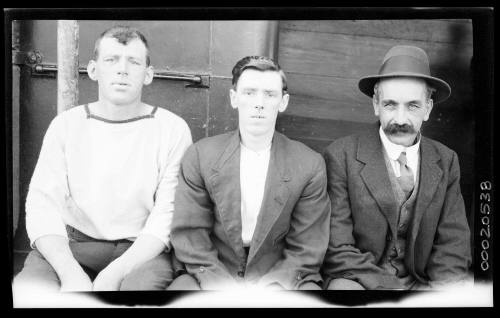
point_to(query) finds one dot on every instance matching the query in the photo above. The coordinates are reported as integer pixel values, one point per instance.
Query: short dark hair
(260, 63)
(124, 35)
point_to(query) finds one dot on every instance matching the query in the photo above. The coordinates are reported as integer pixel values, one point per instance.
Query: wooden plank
(324, 87)
(16, 75)
(446, 31)
(296, 127)
(311, 107)
(351, 56)
(340, 99)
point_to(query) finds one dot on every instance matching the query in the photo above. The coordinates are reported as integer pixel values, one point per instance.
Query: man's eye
(271, 94)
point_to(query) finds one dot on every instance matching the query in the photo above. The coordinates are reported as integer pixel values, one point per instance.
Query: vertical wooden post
(67, 64)
(16, 75)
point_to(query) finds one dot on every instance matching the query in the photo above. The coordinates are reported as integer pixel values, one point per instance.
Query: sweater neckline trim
(123, 121)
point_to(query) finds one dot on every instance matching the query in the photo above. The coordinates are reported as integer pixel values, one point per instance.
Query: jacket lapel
(430, 176)
(225, 183)
(376, 177)
(275, 194)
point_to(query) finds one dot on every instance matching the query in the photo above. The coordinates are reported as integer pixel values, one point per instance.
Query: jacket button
(241, 273)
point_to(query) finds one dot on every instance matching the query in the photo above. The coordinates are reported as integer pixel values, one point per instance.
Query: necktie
(406, 178)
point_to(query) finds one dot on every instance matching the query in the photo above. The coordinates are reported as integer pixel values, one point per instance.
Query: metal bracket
(27, 58)
(194, 80)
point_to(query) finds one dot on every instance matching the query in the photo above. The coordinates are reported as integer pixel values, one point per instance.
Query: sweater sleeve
(48, 188)
(160, 218)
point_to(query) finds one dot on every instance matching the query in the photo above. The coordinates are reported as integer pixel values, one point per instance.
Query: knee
(36, 274)
(344, 284)
(156, 274)
(184, 282)
(309, 286)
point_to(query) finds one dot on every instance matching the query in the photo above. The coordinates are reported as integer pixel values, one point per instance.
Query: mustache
(393, 129)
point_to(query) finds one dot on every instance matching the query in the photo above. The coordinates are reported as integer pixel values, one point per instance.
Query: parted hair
(260, 63)
(123, 34)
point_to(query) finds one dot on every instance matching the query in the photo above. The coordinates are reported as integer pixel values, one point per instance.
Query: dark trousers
(94, 255)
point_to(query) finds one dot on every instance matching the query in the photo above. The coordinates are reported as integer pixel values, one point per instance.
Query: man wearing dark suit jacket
(251, 206)
(398, 217)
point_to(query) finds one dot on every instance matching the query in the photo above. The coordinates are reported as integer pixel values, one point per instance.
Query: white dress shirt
(253, 172)
(393, 151)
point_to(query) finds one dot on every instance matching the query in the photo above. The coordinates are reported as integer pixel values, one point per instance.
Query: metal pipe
(53, 68)
(67, 60)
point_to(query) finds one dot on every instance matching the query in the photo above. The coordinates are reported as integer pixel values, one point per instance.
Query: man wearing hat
(398, 216)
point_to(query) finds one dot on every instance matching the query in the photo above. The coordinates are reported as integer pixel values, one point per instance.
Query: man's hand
(111, 277)
(55, 249)
(144, 248)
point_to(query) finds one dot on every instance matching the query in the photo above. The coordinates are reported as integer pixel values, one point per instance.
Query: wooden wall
(208, 48)
(324, 60)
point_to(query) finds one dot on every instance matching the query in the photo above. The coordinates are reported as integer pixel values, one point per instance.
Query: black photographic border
(483, 88)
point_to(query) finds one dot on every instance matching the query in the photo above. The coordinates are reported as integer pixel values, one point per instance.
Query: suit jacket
(292, 232)
(365, 214)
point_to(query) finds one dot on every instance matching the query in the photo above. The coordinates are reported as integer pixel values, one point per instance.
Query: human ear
(375, 106)
(284, 102)
(149, 75)
(428, 110)
(91, 70)
(232, 96)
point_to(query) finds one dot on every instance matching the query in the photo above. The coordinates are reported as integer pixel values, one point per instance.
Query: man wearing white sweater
(100, 201)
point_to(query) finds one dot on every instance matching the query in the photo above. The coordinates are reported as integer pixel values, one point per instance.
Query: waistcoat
(394, 254)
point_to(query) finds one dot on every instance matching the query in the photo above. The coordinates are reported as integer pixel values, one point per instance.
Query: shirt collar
(394, 151)
(258, 153)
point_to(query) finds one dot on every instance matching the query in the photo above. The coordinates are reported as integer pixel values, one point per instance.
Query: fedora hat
(406, 61)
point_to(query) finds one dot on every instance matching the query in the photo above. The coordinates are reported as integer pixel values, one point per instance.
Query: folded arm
(45, 202)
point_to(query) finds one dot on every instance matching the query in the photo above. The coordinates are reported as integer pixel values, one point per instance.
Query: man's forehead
(111, 43)
(254, 77)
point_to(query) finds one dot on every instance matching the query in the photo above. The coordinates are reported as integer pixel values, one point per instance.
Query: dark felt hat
(406, 61)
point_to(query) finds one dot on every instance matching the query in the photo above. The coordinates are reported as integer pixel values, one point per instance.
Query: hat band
(404, 64)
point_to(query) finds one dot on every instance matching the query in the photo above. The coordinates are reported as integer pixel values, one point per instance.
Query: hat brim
(442, 88)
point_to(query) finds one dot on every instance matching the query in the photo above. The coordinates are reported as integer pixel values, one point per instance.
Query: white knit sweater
(108, 180)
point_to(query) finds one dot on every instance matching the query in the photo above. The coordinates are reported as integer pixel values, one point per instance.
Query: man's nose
(400, 116)
(259, 101)
(122, 67)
